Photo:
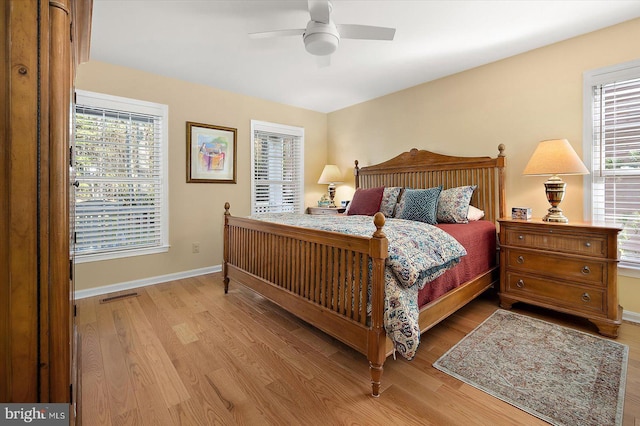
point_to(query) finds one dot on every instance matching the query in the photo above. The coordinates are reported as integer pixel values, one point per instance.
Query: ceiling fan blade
(277, 33)
(320, 10)
(365, 32)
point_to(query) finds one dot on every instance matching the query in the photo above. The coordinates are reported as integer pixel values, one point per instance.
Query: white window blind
(277, 168)
(120, 158)
(615, 159)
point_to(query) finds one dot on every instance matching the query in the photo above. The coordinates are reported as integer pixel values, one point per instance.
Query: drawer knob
(520, 284)
(587, 244)
(586, 270)
(521, 237)
(585, 297)
(520, 259)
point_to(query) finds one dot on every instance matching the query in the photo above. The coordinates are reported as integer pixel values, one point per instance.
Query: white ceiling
(206, 42)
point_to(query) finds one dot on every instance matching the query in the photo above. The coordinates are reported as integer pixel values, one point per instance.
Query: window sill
(85, 258)
(628, 272)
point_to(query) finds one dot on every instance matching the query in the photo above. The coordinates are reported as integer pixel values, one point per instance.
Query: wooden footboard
(319, 276)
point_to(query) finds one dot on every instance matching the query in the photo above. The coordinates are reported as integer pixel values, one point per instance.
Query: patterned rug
(560, 375)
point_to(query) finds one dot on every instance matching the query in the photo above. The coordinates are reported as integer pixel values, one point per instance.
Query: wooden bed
(314, 274)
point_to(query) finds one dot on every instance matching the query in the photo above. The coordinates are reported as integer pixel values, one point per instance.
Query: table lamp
(331, 175)
(555, 157)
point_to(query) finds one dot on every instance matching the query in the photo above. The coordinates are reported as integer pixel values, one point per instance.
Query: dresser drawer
(587, 244)
(591, 272)
(569, 296)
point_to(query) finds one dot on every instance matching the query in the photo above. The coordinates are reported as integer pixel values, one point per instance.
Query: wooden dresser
(568, 267)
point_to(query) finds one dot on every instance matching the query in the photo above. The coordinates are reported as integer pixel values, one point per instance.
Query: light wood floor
(184, 353)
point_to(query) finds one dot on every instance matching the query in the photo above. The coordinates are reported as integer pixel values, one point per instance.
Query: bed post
(226, 247)
(502, 196)
(378, 251)
(356, 172)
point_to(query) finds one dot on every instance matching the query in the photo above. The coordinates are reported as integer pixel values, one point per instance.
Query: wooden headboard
(424, 169)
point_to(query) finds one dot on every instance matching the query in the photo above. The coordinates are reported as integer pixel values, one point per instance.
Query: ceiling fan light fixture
(321, 39)
(322, 36)
(321, 44)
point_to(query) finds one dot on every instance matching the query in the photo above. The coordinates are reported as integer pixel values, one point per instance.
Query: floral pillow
(453, 205)
(419, 204)
(389, 200)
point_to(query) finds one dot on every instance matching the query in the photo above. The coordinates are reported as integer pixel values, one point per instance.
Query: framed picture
(211, 153)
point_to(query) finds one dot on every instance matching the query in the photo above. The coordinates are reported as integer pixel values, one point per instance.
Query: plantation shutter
(277, 184)
(616, 162)
(119, 197)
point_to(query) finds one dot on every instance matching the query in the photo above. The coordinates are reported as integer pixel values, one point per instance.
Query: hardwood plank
(86, 311)
(189, 300)
(95, 391)
(187, 413)
(129, 418)
(162, 329)
(238, 403)
(95, 401)
(207, 404)
(253, 363)
(147, 390)
(121, 397)
(169, 383)
(168, 312)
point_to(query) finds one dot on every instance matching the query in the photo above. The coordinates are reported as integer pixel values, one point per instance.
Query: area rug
(560, 375)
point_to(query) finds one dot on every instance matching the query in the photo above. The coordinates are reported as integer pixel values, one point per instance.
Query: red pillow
(366, 201)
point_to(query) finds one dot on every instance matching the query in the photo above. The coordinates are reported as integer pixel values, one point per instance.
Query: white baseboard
(97, 291)
(631, 316)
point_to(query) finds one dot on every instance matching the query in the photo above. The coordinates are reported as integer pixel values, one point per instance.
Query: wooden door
(40, 49)
(20, 271)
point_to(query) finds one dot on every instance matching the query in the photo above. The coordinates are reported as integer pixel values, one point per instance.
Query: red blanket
(479, 239)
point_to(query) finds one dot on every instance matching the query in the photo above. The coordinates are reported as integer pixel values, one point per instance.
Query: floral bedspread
(418, 254)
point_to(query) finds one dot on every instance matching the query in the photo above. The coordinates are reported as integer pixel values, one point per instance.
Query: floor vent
(118, 297)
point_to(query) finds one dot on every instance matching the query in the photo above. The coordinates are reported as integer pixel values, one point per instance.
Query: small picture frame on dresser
(521, 213)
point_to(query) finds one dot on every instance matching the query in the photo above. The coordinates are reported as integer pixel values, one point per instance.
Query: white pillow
(475, 214)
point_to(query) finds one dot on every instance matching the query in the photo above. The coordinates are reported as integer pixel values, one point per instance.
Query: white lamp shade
(330, 174)
(555, 157)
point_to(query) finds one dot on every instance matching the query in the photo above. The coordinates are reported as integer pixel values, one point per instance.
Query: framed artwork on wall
(211, 153)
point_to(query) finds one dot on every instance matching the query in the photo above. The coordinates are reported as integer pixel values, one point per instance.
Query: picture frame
(211, 153)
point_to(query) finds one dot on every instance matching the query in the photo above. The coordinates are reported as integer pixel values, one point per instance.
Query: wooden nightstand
(325, 210)
(568, 267)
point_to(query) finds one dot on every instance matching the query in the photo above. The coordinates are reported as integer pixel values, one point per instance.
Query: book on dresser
(568, 267)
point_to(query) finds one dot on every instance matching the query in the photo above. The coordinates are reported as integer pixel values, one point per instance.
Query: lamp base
(555, 215)
(332, 194)
(555, 188)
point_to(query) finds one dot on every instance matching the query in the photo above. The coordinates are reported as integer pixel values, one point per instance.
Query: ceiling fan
(322, 36)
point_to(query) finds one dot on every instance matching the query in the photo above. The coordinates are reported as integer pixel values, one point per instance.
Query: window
(612, 147)
(121, 170)
(277, 183)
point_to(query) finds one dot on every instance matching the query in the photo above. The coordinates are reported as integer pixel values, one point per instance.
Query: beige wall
(517, 101)
(196, 210)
